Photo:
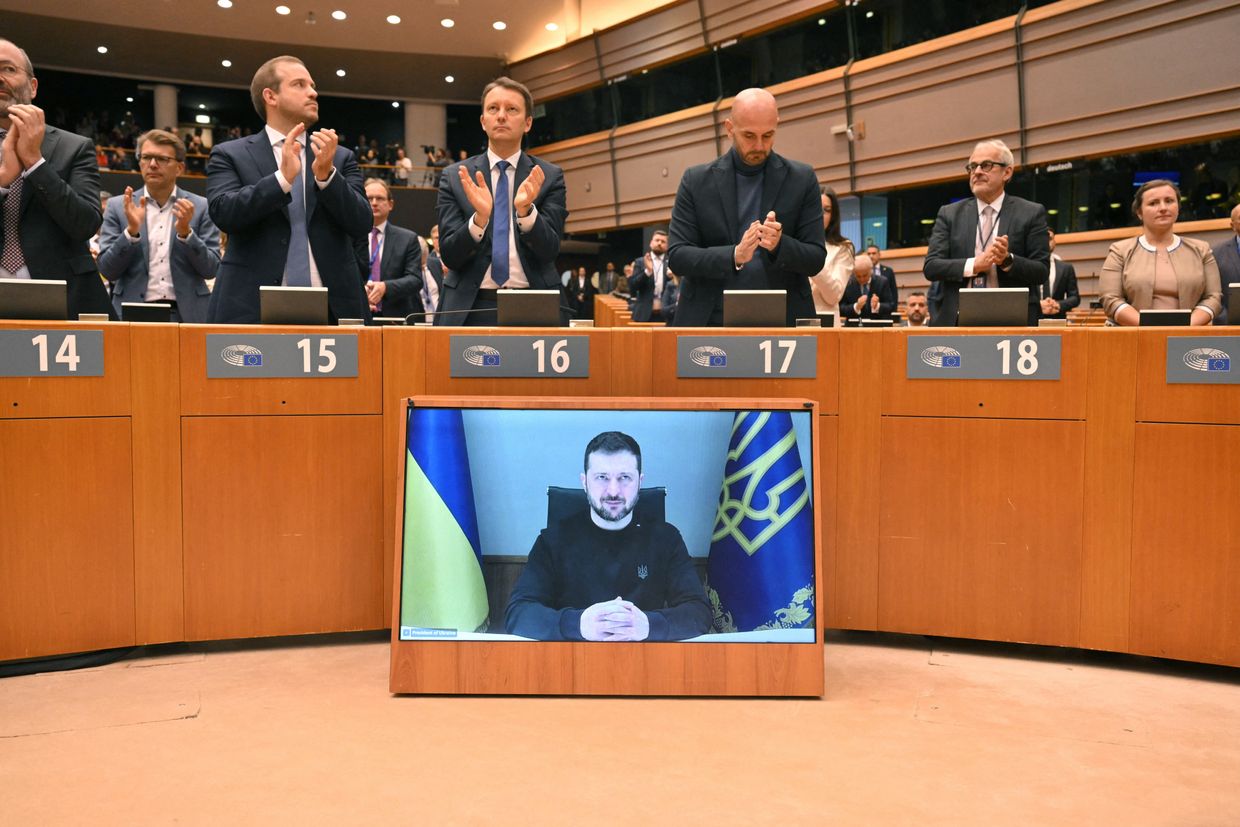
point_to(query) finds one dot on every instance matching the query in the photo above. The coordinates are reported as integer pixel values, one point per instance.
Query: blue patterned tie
(297, 267)
(501, 215)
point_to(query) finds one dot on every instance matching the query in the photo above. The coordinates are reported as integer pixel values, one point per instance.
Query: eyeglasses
(984, 166)
(156, 160)
(10, 70)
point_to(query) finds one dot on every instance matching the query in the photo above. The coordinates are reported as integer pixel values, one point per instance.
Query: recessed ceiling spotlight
(822, 21)
(394, 19)
(448, 79)
(202, 106)
(340, 73)
(396, 104)
(551, 27)
(283, 10)
(129, 100)
(499, 25)
(447, 22)
(868, 15)
(339, 15)
(226, 63)
(224, 4)
(103, 50)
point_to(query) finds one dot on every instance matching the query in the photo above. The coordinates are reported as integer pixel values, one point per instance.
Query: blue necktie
(501, 215)
(297, 267)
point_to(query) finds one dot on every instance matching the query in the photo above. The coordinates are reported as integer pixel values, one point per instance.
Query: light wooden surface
(66, 536)
(283, 531)
(1158, 401)
(107, 395)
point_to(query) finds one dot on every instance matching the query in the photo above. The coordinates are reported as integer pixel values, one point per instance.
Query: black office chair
(564, 502)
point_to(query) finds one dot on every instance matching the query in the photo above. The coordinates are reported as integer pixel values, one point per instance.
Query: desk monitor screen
(34, 299)
(828, 319)
(389, 321)
(293, 305)
(529, 308)
(994, 307)
(1166, 318)
(539, 523)
(1233, 303)
(754, 308)
(146, 312)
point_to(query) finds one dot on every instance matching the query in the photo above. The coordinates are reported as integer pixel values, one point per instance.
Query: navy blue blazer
(705, 229)
(1228, 258)
(192, 261)
(467, 260)
(247, 202)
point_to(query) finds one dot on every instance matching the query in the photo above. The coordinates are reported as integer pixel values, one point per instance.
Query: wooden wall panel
(1158, 401)
(1186, 532)
(808, 109)
(672, 32)
(732, 18)
(560, 72)
(994, 542)
(158, 565)
(279, 539)
(107, 395)
(983, 399)
(1107, 538)
(66, 548)
(201, 396)
(1147, 82)
(651, 158)
(404, 375)
(588, 180)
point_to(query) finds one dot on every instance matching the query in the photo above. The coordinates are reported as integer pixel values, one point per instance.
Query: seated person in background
(1158, 269)
(863, 297)
(622, 283)
(1227, 253)
(828, 284)
(916, 311)
(599, 575)
(1060, 291)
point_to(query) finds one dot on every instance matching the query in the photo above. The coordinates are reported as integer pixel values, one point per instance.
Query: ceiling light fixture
(340, 73)
(226, 63)
(499, 25)
(396, 104)
(448, 79)
(202, 106)
(283, 10)
(551, 27)
(103, 50)
(129, 100)
(447, 22)
(339, 15)
(224, 4)
(394, 19)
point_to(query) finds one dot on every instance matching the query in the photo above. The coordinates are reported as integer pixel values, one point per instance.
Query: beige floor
(912, 731)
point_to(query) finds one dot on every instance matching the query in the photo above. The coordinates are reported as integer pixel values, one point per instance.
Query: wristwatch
(1006, 264)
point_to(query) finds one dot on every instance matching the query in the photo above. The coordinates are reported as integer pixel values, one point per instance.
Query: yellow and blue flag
(760, 573)
(441, 581)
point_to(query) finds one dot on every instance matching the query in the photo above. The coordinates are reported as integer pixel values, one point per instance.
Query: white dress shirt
(277, 147)
(516, 273)
(997, 206)
(159, 241)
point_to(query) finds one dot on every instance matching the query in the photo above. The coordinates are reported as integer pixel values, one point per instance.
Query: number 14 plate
(983, 357)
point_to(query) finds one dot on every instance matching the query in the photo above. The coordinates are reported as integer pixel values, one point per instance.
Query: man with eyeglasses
(991, 240)
(158, 244)
(49, 192)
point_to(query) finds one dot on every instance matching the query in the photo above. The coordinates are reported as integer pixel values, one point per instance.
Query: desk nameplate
(281, 356)
(984, 357)
(747, 357)
(519, 357)
(51, 353)
(1203, 360)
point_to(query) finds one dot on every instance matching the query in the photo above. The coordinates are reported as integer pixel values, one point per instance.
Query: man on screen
(601, 575)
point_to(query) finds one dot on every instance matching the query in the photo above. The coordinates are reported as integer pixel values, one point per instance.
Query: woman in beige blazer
(828, 285)
(1159, 270)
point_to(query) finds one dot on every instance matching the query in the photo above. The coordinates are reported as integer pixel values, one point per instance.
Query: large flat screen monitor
(34, 299)
(572, 532)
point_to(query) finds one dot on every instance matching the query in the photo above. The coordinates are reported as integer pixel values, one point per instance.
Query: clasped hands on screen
(614, 620)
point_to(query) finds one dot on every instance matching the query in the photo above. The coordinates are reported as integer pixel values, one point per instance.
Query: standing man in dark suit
(990, 240)
(501, 214)
(891, 293)
(158, 244)
(292, 216)
(390, 260)
(749, 220)
(1060, 293)
(1227, 254)
(49, 192)
(649, 280)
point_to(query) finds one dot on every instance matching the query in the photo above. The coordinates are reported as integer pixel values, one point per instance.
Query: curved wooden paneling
(560, 72)
(726, 19)
(670, 33)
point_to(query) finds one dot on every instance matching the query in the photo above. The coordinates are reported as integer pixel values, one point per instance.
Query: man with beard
(749, 220)
(601, 575)
(49, 192)
(292, 203)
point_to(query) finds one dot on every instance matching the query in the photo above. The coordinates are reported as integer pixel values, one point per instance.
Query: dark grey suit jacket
(400, 267)
(953, 240)
(467, 260)
(641, 286)
(246, 202)
(1064, 290)
(1228, 259)
(60, 213)
(192, 261)
(705, 229)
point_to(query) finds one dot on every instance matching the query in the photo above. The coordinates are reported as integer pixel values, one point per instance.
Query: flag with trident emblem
(760, 574)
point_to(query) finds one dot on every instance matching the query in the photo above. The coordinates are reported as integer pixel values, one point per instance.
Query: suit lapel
(968, 226)
(387, 255)
(772, 183)
(725, 187)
